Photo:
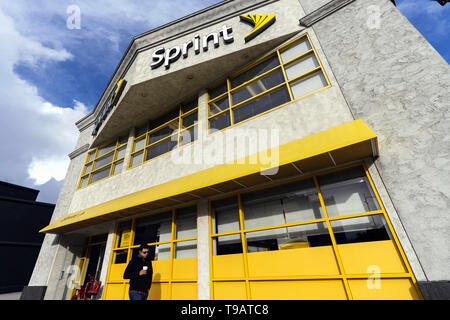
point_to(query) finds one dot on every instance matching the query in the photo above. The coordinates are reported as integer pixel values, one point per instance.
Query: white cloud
(37, 135)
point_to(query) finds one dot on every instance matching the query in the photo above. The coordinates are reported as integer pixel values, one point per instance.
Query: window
(173, 230)
(174, 129)
(287, 74)
(104, 161)
(291, 215)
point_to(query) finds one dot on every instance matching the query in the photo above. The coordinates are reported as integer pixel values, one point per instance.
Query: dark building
(21, 218)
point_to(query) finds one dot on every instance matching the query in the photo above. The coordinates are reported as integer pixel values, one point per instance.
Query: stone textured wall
(395, 81)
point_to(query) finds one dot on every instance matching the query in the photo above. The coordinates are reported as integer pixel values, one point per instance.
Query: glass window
(106, 149)
(118, 167)
(140, 131)
(189, 106)
(160, 252)
(164, 132)
(225, 213)
(218, 106)
(289, 203)
(217, 91)
(186, 249)
(91, 156)
(262, 104)
(121, 153)
(301, 66)
(220, 122)
(124, 234)
(120, 256)
(361, 229)
(101, 174)
(186, 222)
(347, 192)
(154, 228)
(302, 236)
(139, 144)
(123, 140)
(171, 115)
(229, 244)
(162, 147)
(295, 50)
(189, 135)
(84, 181)
(257, 70)
(136, 158)
(104, 161)
(257, 87)
(189, 120)
(310, 84)
(88, 168)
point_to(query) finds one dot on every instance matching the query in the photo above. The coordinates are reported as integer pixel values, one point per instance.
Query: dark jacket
(137, 282)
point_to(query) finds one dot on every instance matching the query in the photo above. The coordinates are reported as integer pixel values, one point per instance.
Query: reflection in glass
(225, 213)
(139, 144)
(189, 106)
(347, 192)
(136, 158)
(106, 149)
(186, 222)
(267, 102)
(294, 202)
(189, 135)
(220, 122)
(189, 120)
(229, 244)
(186, 249)
(154, 228)
(302, 66)
(307, 85)
(118, 167)
(257, 87)
(84, 181)
(160, 252)
(295, 50)
(101, 174)
(121, 153)
(162, 147)
(303, 236)
(217, 91)
(218, 106)
(164, 132)
(104, 161)
(361, 229)
(257, 70)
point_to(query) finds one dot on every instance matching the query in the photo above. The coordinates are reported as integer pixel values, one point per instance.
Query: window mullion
(285, 76)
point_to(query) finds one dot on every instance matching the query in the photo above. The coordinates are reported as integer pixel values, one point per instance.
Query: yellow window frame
(286, 83)
(326, 219)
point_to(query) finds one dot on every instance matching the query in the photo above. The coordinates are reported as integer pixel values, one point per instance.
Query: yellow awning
(347, 142)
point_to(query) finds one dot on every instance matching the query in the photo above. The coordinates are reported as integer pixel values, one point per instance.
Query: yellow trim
(275, 53)
(332, 139)
(343, 275)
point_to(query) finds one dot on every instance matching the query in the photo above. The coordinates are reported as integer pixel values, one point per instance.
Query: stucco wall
(397, 83)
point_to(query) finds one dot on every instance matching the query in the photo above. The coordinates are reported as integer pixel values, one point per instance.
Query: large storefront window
(287, 74)
(172, 237)
(314, 238)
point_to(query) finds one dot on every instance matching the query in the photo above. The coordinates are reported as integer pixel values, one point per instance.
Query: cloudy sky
(53, 73)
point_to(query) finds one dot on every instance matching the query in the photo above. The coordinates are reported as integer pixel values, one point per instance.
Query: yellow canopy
(347, 142)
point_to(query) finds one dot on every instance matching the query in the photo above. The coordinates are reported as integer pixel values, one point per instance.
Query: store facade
(264, 150)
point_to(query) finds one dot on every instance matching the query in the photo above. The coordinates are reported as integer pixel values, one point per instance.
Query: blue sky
(52, 75)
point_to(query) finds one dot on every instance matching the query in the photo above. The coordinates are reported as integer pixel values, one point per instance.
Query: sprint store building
(264, 149)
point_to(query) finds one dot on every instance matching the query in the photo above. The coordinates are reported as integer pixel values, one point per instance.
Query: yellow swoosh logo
(259, 23)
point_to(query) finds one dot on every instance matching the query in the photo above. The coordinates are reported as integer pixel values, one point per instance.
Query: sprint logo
(259, 23)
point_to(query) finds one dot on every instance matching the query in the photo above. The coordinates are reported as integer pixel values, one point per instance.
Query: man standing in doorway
(140, 273)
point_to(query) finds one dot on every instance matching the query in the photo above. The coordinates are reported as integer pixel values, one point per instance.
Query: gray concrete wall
(395, 81)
